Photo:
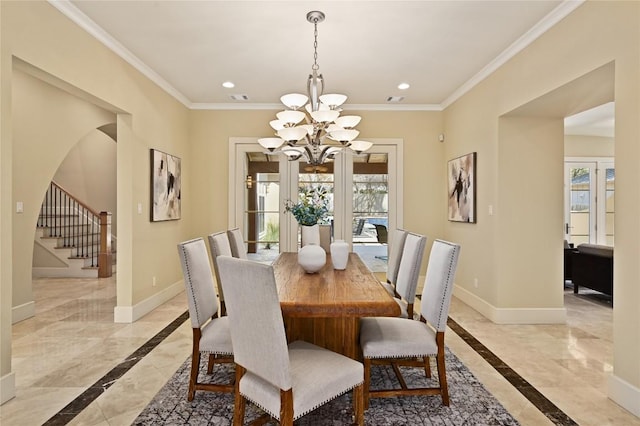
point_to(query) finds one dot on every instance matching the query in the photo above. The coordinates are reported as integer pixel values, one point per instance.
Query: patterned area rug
(470, 402)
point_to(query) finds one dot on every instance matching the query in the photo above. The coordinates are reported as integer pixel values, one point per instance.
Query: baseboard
(624, 394)
(7, 387)
(76, 271)
(511, 315)
(23, 312)
(129, 314)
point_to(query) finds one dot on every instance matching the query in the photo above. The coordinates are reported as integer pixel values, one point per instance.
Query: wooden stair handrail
(95, 213)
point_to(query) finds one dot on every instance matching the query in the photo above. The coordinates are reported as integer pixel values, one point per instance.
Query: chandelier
(315, 130)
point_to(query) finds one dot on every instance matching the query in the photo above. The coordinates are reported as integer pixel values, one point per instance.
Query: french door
(589, 201)
(260, 184)
(373, 201)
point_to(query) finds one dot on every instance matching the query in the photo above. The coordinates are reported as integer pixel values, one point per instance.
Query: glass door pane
(580, 216)
(370, 204)
(609, 211)
(262, 207)
(590, 195)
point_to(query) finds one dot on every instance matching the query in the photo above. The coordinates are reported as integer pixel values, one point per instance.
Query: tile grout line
(544, 405)
(81, 402)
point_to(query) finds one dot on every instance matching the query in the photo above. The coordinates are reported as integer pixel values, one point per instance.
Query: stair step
(54, 216)
(67, 234)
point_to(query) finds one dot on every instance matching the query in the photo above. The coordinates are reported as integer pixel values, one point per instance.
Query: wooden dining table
(325, 307)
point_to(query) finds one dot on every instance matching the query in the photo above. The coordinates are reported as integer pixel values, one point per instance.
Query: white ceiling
(365, 48)
(598, 121)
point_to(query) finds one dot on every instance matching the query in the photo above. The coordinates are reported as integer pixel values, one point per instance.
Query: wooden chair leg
(193, 379)
(427, 367)
(358, 404)
(286, 407)
(396, 369)
(239, 402)
(367, 382)
(212, 360)
(195, 364)
(442, 372)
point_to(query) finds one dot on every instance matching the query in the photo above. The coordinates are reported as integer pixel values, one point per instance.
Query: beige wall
(6, 219)
(593, 35)
(530, 194)
(88, 172)
(588, 146)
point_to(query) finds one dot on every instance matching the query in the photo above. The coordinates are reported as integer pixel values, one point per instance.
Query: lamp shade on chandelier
(311, 127)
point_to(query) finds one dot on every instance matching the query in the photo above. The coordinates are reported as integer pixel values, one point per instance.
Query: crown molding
(233, 106)
(349, 107)
(70, 11)
(393, 107)
(555, 16)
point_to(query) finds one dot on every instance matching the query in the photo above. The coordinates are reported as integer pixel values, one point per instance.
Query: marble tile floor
(72, 343)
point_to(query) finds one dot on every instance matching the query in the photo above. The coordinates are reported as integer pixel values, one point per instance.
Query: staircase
(72, 240)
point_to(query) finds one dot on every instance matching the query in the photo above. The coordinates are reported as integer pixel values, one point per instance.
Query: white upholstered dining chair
(409, 273)
(219, 246)
(396, 246)
(210, 334)
(407, 342)
(236, 241)
(285, 381)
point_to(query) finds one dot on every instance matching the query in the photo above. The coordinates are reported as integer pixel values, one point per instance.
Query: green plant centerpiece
(312, 206)
(272, 233)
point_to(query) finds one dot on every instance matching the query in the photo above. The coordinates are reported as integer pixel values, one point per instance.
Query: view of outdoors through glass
(588, 222)
(370, 206)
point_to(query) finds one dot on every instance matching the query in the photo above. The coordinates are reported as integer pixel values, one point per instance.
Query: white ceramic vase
(339, 254)
(309, 235)
(312, 258)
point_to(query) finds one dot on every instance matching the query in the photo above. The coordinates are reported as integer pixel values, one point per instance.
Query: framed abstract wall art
(461, 176)
(165, 186)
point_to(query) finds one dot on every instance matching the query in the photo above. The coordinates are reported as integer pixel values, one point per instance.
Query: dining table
(325, 307)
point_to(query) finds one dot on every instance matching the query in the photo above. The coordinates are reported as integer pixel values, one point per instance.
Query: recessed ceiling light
(403, 86)
(228, 85)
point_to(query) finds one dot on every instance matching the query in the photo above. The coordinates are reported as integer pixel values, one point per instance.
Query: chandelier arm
(323, 154)
(310, 157)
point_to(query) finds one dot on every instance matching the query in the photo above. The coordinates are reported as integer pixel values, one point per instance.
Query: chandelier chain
(315, 66)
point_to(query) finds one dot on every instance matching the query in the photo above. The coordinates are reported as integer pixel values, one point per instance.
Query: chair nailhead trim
(447, 285)
(187, 263)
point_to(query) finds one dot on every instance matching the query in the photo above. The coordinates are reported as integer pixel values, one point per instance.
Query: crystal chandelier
(324, 132)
